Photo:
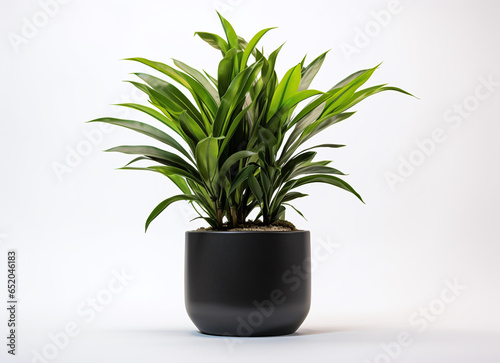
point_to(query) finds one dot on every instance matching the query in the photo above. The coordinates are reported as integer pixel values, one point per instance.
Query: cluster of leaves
(241, 134)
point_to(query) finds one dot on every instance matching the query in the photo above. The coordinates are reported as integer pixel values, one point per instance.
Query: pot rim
(250, 232)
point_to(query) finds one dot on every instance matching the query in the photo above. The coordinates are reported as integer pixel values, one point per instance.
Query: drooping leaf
(173, 94)
(197, 75)
(296, 210)
(313, 169)
(328, 179)
(163, 205)
(151, 112)
(292, 196)
(163, 156)
(146, 130)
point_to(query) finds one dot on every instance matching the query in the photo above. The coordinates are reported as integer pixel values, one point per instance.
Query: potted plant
(242, 152)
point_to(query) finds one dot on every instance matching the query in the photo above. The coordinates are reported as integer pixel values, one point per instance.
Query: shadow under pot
(247, 283)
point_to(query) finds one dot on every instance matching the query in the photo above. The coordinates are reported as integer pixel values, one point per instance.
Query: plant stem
(241, 219)
(234, 217)
(219, 217)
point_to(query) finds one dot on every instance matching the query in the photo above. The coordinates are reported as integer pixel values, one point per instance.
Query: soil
(278, 226)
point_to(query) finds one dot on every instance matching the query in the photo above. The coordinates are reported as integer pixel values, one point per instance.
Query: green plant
(241, 135)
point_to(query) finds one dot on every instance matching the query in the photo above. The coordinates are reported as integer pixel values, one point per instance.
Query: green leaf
(345, 93)
(163, 68)
(174, 176)
(229, 162)
(214, 40)
(314, 169)
(311, 107)
(296, 210)
(309, 72)
(168, 171)
(331, 146)
(191, 128)
(164, 103)
(367, 92)
(171, 170)
(206, 155)
(292, 196)
(200, 78)
(269, 143)
(328, 179)
(351, 78)
(234, 95)
(212, 79)
(295, 162)
(268, 71)
(163, 205)
(242, 175)
(300, 125)
(251, 45)
(232, 128)
(136, 160)
(287, 107)
(146, 130)
(173, 94)
(156, 154)
(255, 187)
(201, 95)
(231, 36)
(288, 86)
(151, 112)
(309, 131)
(225, 71)
(322, 124)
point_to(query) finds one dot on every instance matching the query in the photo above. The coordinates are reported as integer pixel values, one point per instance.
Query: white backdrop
(427, 169)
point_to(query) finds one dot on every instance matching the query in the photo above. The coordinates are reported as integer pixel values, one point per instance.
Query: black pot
(247, 283)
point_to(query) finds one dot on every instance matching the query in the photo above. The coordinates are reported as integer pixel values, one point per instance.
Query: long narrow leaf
(146, 130)
(163, 205)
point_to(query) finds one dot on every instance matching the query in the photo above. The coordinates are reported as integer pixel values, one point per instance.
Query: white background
(390, 256)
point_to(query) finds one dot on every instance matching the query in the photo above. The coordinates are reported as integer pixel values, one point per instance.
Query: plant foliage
(240, 138)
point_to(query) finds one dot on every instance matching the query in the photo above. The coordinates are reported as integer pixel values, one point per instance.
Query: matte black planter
(247, 283)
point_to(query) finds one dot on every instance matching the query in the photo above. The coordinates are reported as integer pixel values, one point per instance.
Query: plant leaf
(251, 45)
(288, 86)
(296, 210)
(309, 72)
(328, 179)
(206, 155)
(225, 71)
(173, 94)
(255, 187)
(237, 156)
(214, 40)
(163, 205)
(151, 112)
(242, 175)
(162, 156)
(146, 130)
(200, 78)
(231, 36)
